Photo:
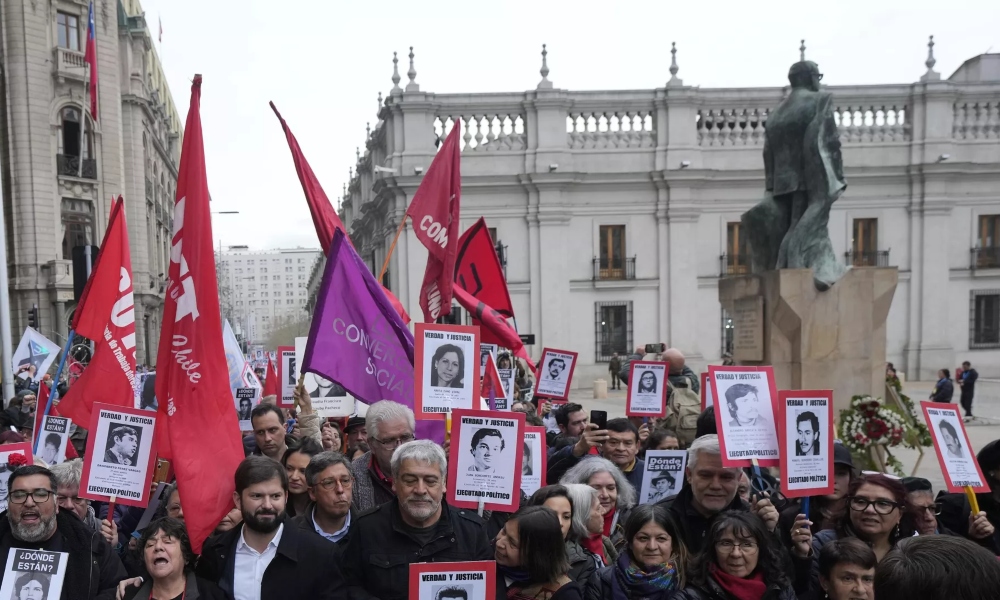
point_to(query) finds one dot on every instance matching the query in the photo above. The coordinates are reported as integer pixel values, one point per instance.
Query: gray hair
(387, 410)
(582, 498)
(424, 451)
(68, 474)
(323, 461)
(588, 467)
(706, 444)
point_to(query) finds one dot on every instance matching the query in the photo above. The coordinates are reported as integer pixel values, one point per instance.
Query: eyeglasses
(934, 509)
(394, 442)
(727, 546)
(39, 496)
(882, 507)
(330, 484)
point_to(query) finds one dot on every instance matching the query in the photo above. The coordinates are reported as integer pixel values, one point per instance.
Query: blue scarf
(630, 580)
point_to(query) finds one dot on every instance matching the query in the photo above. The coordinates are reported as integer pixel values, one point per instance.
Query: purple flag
(357, 338)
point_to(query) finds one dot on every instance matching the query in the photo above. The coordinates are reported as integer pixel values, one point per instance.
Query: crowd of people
(325, 509)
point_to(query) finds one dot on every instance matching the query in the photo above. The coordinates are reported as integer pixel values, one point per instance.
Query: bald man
(679, 371)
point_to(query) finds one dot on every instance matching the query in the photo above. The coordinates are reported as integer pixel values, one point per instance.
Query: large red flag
(197, 426)
(325, 219)
(106, 315)
(435, 211)
(270, 380)
(493, 322)
(478, 271)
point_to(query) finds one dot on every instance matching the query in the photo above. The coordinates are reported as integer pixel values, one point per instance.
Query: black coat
(954, 517)
(197, 589)
(692, 524)
(93, 570)
(377, 559)
(712, 591)
(581, 563)
(304, 566)
(943, 391)
(601, 586)
(305, 523)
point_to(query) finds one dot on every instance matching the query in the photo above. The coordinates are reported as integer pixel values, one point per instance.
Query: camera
(656, 348)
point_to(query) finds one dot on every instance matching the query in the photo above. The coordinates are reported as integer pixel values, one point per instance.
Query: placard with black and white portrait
(951, 444)
(647, 389)
(745, 414)
(556, 374)
(806, 442)
(452, 581)
(119, 458)
(486, 458)
(447, 369)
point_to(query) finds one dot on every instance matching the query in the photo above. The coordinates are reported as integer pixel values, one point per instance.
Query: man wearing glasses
(389, 425)
(331, 486)
(35, 522)
(920, 496)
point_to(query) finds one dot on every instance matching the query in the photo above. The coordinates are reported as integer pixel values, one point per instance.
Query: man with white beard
(34, 522)
(414, 527)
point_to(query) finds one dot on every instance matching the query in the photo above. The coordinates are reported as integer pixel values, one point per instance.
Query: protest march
(414, 441)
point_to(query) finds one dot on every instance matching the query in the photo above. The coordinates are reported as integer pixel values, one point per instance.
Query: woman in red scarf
(588, 524)
(740, 560)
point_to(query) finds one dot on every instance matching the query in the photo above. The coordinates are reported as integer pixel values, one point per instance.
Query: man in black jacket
(34, 522)
(263, 558)
(711, 489)
(968, 384)
(416, 526)
(330, 513)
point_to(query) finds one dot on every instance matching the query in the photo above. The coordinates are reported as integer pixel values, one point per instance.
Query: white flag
(35, 354)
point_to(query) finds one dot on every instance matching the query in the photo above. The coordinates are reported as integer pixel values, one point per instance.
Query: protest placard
(453, 581)
(647, 389)
(745, 416)
(119, 459)
(54, 437)
(487, 350)
(329, 399)
(954, 452)
(664, 475)
(446, 369)
(706, 392)
(288, 376)
(246, 399)
(508, 378)
(533, 460)
(484, 460)
(8, 464)
(555, 375)
(34, 575)
(805, 436)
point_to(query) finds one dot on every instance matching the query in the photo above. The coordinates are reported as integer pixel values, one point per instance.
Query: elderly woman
(588, 524)
(740, 560)
(557, 499)
(616, 494)
(653, 563)
(169, 560)
(531, 558)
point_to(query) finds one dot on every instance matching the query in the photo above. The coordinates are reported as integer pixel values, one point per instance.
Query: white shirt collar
(336, 536)
(243, 546)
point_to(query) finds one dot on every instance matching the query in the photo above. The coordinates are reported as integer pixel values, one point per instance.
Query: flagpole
(54, 392)
(388, 255)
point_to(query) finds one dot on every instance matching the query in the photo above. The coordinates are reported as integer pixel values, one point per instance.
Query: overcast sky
(323, 64)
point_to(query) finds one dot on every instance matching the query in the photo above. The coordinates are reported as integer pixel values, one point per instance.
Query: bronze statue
(804, 175)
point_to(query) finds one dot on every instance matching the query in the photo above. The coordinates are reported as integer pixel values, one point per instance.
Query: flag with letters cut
(325, 219)
(106, 315)
(197, 427)
(435, 214)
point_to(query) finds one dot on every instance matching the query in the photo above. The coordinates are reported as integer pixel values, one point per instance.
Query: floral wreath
(868, 424)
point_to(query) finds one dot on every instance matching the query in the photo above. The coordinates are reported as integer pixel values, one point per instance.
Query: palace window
(77, 224)
(612, 328)
(984, 319)
(737, 249)
(68, 31)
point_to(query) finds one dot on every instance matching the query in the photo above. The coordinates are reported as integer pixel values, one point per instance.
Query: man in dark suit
(331, 485)
(295, 565)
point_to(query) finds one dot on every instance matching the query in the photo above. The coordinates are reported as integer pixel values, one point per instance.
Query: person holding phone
(616, 440)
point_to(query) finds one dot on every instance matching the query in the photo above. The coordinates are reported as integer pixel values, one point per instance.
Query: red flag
(491, 380)
(106, 315)
(90, 57)
(478, 271)
(270, 380)
(325, 219)
(196, 423)
(493, 322)
(43, 398)
(435, 210)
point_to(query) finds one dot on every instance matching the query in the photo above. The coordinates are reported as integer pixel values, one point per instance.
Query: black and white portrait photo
(246, 407)
(486, 448)
(647, 389)
(952, 442)
(447, 367)
(807, 434)
(119, 457)
(556, 374)
(486, 350)
(533, 459)
(330, 399)
(486, 458)
(745, 414)
(55, 436)
(121, 445)
(453, 592)
(805, 421)
(34, 575)
(287, 376)
(665, 478)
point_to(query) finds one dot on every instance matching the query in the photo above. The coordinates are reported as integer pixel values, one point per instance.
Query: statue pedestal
(814, 340)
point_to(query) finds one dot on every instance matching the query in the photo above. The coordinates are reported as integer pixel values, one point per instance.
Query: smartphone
(656, 348)
(290, 426)
(599, 418)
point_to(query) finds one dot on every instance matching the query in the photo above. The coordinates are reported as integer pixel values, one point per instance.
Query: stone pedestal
(814, 340)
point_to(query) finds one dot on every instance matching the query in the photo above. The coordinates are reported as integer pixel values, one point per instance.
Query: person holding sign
(530, 556)
(956, 513)
(653, 563)
(34, 521)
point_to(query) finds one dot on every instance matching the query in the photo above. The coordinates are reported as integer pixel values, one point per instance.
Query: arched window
(70, 132)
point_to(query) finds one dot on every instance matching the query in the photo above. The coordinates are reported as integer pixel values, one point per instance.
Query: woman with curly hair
(652, 564)
(168, 558)
(740, 560)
